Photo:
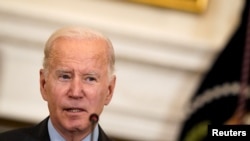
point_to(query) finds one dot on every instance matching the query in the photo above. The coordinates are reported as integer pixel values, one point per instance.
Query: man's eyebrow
(92, 74)
(62, 71)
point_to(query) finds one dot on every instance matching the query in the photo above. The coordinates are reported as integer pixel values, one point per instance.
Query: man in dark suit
(77, 80)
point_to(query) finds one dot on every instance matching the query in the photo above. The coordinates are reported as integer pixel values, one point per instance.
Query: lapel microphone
(93, 118)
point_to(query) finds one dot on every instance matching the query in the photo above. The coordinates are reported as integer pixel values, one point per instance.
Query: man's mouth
(74, 110)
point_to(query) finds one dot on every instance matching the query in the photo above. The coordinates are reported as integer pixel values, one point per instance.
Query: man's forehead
(79, 45)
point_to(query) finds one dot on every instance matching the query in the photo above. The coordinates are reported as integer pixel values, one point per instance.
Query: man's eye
(64, 76)
(91, 79)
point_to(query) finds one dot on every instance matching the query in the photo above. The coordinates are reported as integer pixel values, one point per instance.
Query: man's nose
(76, 89)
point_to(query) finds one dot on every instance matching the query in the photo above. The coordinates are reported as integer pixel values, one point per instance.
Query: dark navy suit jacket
(38, 132)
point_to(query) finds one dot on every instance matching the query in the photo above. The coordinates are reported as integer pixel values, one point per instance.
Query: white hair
(77, 33)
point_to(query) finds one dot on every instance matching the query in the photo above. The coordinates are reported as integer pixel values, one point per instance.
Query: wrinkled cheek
(55, 95)
(100, 94)
(58, 90)
(100, 100)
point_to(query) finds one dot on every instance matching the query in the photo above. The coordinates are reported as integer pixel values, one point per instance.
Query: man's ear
(43, 84)
(110, 90)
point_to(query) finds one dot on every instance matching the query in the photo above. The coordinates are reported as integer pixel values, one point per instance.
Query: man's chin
(77, 126)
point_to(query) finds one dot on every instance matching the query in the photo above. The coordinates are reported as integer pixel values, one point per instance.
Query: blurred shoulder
(37, 132)
(21, 134)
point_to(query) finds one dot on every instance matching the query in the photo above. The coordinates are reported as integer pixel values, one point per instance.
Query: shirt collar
(55, 136)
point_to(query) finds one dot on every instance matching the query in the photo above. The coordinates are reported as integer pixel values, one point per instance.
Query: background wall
(161, 54)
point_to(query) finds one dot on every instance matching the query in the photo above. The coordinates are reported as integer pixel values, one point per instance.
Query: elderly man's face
(78, 83)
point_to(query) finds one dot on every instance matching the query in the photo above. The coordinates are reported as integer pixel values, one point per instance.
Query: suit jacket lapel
(40, 131)
(102, 136)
